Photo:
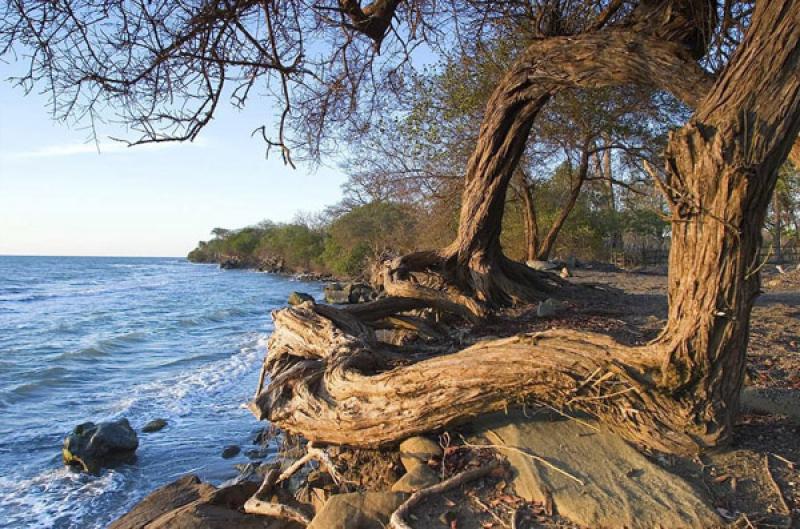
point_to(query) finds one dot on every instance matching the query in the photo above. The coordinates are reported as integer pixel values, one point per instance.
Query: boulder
(357, 510)
(350, 292)
(336, 294)
(417, 451)
(361, 293)
(230, 263)
(549, 307)
(93, 446)
(619, 487)
(189, 503)
(417, 478)
(541, 265)
(230, 451)
(154, 425)
(296, 298)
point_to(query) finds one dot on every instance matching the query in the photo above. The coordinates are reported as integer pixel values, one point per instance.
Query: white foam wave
(177, 395)
(53, 498)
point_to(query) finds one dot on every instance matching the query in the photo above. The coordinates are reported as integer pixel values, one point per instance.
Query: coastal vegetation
(547, 127)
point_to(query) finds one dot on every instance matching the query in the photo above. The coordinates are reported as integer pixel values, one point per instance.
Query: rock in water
(231, 451)
(93, 446)
(154, 425)
(296, 298)
(343, 293)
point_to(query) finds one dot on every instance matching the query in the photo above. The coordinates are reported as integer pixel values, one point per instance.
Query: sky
(58, 196)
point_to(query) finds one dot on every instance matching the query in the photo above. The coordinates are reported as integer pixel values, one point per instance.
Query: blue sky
(58, 196)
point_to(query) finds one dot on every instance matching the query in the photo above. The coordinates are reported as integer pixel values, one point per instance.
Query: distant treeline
(336, 244)
(341, 241)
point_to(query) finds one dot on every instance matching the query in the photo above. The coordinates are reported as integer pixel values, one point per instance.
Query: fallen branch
(397, 519)
(276, 510)
(775, 486)
(258, 505)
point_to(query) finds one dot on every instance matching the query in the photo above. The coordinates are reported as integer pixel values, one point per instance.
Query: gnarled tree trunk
(658, 56)
(332, 381)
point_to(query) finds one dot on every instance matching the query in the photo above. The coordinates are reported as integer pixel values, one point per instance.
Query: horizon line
(108, 256)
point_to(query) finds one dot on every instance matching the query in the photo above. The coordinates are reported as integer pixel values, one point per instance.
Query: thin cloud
(75, 149)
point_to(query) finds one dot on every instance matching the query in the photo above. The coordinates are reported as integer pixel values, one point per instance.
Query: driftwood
(397, 519)
(258, 505)
(276, 510)
(331, 382)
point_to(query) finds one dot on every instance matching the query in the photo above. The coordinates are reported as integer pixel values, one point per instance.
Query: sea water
(95, 339)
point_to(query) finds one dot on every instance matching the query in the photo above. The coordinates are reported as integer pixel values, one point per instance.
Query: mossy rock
(296, 298)
(91, 447)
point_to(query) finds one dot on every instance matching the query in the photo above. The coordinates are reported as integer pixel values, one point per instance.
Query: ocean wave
(88, 353)
(57, 498)
(38, 380)
(104, 347)
(177, 395)
(215, 316)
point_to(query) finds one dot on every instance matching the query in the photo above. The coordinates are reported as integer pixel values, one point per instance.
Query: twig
(747, 521)
(489, 510)
(313, 453)
(397, 519)
(275, 510)
(525, 453)
(568, 416)
(775, 486)
(791, 464)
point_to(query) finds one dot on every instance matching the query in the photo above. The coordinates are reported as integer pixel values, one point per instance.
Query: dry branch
(397, 519)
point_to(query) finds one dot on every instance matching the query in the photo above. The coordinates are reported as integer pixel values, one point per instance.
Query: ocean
(100, 338)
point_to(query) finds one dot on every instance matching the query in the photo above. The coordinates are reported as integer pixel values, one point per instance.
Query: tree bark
(722, 168)
(529, 216)
(474, 261)
(332, 381)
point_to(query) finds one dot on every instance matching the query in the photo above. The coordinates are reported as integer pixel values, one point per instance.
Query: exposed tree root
(469, 291)
(333, 382)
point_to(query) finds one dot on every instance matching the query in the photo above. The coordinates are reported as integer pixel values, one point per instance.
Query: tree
(679, 393)
(367, 232)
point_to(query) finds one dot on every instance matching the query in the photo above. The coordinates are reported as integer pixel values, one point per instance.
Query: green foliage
(342, 247)
(365, 232)
(298, 245)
